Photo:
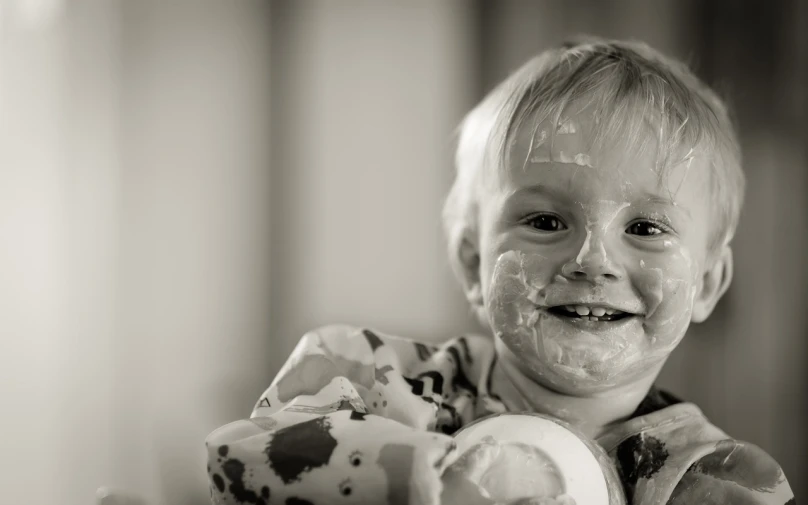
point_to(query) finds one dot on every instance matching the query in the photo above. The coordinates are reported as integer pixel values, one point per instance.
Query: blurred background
(187, 186)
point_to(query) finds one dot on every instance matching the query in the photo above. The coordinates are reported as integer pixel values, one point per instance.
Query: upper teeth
(583, 310)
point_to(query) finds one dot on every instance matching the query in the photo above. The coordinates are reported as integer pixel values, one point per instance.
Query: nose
(593, 262)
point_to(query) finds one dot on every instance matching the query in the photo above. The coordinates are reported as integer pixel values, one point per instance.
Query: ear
(714, 283)
(468, 268)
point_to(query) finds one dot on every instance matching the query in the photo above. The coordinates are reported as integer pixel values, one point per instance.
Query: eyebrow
(538, 191)
(653, 198)
(534, 190)
(543, 190)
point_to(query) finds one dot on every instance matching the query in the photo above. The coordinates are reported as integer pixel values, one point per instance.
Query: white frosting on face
(543, 151)
(598, 219)
(594, 259)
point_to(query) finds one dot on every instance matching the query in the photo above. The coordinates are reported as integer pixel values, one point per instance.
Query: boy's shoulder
(671, 453)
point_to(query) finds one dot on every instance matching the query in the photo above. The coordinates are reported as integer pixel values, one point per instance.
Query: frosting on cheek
(514, 297)
(554, 349)
(669, 290)
(567, 353)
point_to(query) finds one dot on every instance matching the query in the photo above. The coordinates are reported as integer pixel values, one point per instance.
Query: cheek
(668, 287)
(516, 286)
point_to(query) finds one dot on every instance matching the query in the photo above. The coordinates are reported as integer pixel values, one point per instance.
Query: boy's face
(592, 266)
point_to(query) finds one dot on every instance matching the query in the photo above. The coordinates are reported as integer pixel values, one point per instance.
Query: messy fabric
(355, 416)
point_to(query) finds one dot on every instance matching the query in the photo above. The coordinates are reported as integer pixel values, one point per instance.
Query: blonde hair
(616, 79)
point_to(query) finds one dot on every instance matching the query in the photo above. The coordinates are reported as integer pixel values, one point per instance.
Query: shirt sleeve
(339, 424)
(736, 472)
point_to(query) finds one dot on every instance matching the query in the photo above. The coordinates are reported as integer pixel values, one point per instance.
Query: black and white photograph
(403, 252)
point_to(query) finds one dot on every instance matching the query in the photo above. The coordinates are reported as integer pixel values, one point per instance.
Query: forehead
(624, 163)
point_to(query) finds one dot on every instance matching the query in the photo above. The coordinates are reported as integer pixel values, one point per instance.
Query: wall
(193, 320)
(365, 98)
(134, 195)
(59, 180)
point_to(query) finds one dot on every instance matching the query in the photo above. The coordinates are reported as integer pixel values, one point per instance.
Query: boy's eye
(644, 229)
(547, 222)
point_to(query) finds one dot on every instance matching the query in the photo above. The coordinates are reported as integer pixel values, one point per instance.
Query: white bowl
(579, 470)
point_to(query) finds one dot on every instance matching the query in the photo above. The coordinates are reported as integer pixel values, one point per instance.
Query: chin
(578, 382)
(585, 379)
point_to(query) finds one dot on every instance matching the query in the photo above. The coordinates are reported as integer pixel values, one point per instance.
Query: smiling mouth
(589, 313)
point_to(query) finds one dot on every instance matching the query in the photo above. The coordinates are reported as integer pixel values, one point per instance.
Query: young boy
(597, 192)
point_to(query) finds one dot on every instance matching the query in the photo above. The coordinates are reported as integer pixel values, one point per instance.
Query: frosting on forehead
(582, 138)
(567, 145)
(571, 142)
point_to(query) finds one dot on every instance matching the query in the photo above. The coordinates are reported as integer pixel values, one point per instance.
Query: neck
(592, 414)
